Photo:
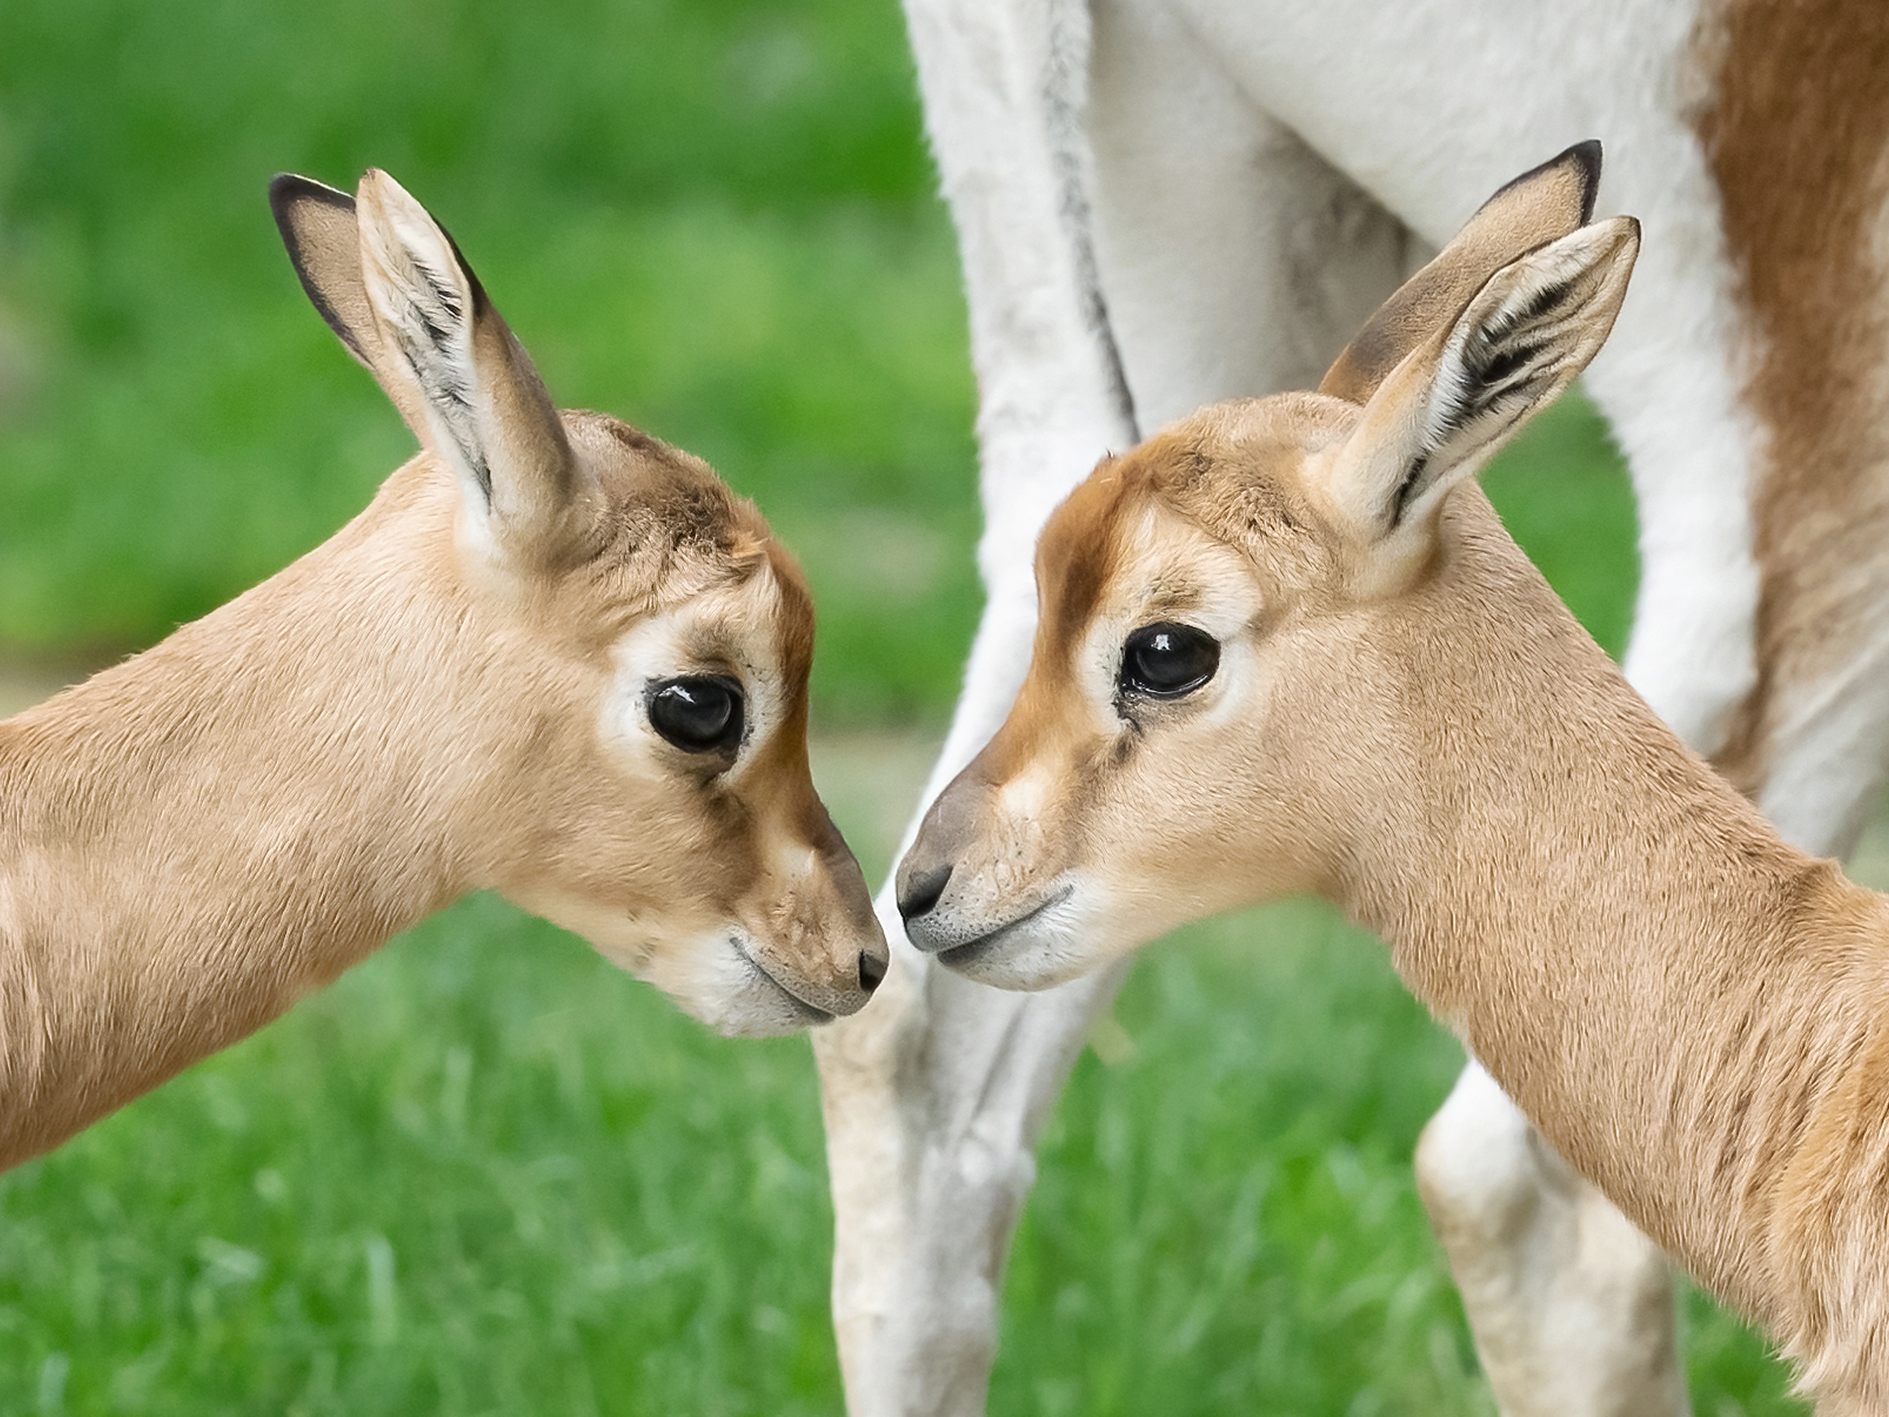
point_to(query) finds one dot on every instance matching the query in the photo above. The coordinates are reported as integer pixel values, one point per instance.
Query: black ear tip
(282, 190)
(288, 190)
(1587, 157)
(1584, 158)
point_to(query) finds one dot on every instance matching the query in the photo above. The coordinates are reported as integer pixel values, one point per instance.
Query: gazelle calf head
(1228, 613)
(621, 647)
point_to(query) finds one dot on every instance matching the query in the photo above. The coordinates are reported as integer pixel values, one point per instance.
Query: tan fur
(431, 703)
(1797, 133)
(1405, 719)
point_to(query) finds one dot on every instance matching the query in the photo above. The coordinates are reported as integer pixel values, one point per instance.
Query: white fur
(419, 291)
(1835, 733)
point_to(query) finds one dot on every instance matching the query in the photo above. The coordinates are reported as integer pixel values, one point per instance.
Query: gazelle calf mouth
(813, 1013)
(959, 956)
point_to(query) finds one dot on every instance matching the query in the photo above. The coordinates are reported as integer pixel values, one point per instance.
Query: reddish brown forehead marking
(1233, 471)
(1085, 541)
(1083, 546)
(1075, 555)
(1795, 130)
(1079, 550)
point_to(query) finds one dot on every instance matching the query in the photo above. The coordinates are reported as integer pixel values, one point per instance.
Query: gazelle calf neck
(1286, 645)
(554, 658)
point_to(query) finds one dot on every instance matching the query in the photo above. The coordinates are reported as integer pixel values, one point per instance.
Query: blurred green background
(486, 1174)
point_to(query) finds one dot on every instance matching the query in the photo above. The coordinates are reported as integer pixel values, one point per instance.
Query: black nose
(919, 891)
(871, 971)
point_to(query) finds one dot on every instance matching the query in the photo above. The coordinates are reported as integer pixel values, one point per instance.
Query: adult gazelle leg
(1571, 1307)
(934, 1097)
(1237, 261)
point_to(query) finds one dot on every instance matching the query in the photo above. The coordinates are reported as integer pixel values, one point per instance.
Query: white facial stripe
(663, 647)
(1024, 797)
(1222, 599)
(794, 863)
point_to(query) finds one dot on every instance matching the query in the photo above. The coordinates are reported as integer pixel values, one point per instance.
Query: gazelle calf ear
(1545, 202)
(460, 378)
(390, 282)
(318, 227)
(321, 229)
(1450, 403)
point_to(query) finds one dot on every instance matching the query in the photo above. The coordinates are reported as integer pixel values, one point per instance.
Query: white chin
(1026, 957)
(756, 1008)
(756, 1015)
(713, 982)
(708, 977)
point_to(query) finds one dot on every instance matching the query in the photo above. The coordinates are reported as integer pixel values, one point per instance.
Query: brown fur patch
(1076, 553)
(1796, 134)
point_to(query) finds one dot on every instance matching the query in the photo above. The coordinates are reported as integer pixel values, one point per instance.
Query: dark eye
(697, 714)
(1166, 661)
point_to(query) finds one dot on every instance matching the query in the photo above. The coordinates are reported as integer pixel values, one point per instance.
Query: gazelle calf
(554, 658)
(1164, 203)
(1285, 645)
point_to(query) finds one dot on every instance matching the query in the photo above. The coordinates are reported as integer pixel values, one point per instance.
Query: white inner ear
(424, 302)
(1516, 345)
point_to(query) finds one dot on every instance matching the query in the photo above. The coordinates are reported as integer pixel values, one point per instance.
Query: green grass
(485, 1174)
(713, 218)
